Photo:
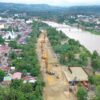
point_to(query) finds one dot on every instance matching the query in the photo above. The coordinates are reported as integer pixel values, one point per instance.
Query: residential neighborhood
(13, 30)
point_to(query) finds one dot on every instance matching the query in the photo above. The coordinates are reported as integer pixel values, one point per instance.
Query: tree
(12, 55)
(82, 94)
(91, 79)
(24, 72)
(2, 74)
(4, 93)
(97, 80)
(83, 58)
(7, 93)
(96, 63)
(16, 94)
(94, 55)
(97, 97)
(16, 84)
(27, 88)
(63, 58)
(1, 40)
(70, 55)
(35, 71)
(13, 44)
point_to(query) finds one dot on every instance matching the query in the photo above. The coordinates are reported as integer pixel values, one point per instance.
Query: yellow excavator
(42, 42)
(48, 67)
(45, 57)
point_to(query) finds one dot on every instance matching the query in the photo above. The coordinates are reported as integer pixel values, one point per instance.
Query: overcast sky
(56, 2)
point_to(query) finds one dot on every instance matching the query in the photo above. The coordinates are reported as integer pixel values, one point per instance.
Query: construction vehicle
(48, 67)
(45, 58)
(41, 45)
(42, 42)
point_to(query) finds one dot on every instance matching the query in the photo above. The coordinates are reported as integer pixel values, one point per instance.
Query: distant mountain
(85, 9)
(41, 8)
(27, 7)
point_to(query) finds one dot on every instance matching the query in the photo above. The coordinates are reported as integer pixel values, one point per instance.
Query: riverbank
(88, 40)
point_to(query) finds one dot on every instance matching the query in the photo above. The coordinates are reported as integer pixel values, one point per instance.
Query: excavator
(48, 67)
(45, 57)
(42, 42)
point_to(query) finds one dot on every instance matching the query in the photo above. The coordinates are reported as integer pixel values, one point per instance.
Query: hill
(43, 9)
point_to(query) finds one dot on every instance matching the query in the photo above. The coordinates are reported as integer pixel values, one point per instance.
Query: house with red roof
(5, 69)
(29, 79)
(4, 49)
(17, 75)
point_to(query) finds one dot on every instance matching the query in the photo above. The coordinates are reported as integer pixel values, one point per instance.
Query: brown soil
(57, 87)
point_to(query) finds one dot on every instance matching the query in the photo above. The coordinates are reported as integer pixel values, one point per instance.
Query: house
(4, 52)
(5, 68)
(2, 26)
(4, 49)
(75, 74)
(7, 80)
(29, 21)
(12, 69)
(29, 79)
(9, 35)
(17, 75)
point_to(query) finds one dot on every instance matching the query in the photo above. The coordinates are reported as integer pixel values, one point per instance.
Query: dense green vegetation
(82, 94)
(96, 61)
(97, 97)
(88, 26)
(95, 80)
(2, 74)
(20, 91)
(70, 52)
(1, 40)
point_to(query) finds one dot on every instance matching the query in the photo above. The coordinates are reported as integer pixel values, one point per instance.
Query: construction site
(56, 84)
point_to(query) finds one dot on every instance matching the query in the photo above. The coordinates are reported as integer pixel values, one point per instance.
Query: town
(86, 22)
(41, 59)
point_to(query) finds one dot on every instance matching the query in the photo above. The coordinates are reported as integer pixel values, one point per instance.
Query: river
(88, 40)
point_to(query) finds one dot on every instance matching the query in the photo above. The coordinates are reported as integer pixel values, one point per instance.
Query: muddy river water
(90, 41)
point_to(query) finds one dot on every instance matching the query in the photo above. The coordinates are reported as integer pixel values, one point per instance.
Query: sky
(56, 2)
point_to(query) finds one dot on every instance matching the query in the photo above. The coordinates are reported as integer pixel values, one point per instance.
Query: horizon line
(51, 4)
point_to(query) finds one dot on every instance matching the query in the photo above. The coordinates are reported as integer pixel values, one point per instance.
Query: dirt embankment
(57, 87)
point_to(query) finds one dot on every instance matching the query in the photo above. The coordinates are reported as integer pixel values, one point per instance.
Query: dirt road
(57, 87)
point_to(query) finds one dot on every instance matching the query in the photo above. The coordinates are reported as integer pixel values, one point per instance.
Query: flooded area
(90, 41)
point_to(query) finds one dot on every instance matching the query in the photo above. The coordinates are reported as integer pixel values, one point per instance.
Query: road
(55, 88)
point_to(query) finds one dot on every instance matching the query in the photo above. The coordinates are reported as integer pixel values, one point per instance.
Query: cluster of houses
(91, 19)
(10, 29)
(17, 76)
(10, 71)
(87, 18)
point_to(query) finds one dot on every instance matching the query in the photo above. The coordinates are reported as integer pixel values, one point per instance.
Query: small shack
(75, 74)
(7, 80)
(29, 79)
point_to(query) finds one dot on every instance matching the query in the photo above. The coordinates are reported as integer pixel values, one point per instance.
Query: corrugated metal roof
(77, 74)
(7, 78)
(17, 75)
